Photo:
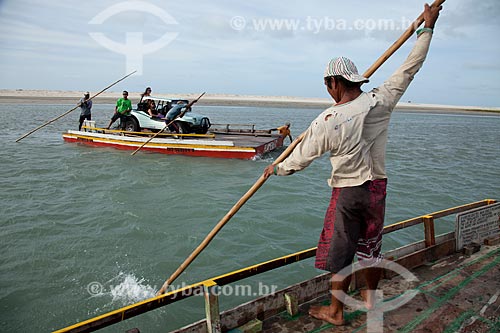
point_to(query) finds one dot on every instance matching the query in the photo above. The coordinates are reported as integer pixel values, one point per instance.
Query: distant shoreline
(18, 96)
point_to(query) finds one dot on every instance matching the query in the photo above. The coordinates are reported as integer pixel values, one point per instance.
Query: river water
(88, 230)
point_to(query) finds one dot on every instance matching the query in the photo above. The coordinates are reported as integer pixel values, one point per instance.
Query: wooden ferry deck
(246, 144)
(459, 293)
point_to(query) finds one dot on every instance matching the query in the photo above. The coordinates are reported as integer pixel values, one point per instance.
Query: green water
(73, 217)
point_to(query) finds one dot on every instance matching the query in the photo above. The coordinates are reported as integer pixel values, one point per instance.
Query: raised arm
(397, 84)
(188, 107)
(431, 14)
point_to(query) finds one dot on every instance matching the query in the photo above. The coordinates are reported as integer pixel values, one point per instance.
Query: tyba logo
(374, 318)
(134, 48)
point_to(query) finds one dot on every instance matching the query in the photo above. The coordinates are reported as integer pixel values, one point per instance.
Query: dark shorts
(117, 115)
(85, 116)
(353, 225)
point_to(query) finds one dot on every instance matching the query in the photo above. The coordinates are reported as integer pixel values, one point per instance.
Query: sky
(268, 48)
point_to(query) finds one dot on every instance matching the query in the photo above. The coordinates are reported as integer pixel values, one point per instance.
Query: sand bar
(21, 96)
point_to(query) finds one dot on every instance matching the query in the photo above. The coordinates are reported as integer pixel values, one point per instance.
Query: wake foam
(130, 290)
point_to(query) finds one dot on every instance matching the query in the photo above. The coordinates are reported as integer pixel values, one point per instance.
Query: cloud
(488, 67)
(468, 18)
(21, 33)
(471, 13)
(39, 38)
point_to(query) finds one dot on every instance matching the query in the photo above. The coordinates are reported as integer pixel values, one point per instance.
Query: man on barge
(122, 110)
(86, 109)
(354, 133)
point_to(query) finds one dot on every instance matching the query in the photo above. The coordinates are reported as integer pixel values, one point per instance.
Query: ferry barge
(225, 141)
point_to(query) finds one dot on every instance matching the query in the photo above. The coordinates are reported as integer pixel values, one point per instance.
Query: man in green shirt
(122, 110)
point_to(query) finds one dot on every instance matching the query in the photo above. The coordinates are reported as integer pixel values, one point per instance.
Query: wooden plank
(430, 239)
(402, 225)
(212, 308)
(270, 305)
(267, 306)
(291, 304)
(462, 208)
(491, 241)
(263, 267)
(253, 326)
(130, 311)
(428, 254)
(436, 215)
(414, 247)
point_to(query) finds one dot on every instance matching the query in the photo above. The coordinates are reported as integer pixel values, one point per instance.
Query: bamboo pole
(404, 37)
(225, 219)
(73, 109)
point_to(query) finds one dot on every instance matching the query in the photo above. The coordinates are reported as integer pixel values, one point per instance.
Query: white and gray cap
(344, 67)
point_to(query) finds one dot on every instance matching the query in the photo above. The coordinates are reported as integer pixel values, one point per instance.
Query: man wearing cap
(122, 110)
(354, 133)
(85, 106)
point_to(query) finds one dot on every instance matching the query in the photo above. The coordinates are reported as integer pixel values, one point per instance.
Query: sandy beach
(21, 96)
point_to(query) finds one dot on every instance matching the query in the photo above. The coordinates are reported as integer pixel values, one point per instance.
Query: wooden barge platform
(248, 144)
(458, 293)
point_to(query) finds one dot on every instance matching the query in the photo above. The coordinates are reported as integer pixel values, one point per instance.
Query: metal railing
(211, 298)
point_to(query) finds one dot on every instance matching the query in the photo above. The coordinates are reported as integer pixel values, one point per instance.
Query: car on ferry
(189, 123)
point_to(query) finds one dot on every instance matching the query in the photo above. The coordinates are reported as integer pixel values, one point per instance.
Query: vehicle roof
(163, 99)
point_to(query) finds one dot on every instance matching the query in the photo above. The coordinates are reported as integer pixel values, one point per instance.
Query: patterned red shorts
(353, 224)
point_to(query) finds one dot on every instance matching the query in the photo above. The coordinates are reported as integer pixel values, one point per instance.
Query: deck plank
(456, 294)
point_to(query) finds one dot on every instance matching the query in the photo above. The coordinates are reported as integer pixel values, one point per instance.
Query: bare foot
(327, 314)
(368, 297)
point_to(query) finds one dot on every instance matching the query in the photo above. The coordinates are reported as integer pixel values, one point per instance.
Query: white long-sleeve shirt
(355, 133)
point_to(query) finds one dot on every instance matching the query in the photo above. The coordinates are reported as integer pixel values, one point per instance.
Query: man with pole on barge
(354, 132)
(86, 109)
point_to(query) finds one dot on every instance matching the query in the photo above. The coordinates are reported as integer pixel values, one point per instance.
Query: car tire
(204, 126)
(131, 125)
(183, 128)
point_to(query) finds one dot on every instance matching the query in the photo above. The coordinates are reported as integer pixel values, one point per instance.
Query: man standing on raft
(354, 133)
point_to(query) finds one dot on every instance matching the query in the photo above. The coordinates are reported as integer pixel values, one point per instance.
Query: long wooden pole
(406, 35)
(164, 128)
(73, 109)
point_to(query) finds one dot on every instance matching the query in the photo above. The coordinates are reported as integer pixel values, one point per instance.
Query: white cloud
(44, 37)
